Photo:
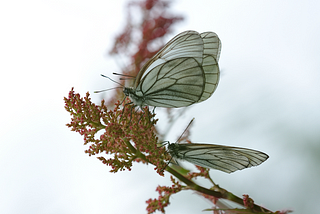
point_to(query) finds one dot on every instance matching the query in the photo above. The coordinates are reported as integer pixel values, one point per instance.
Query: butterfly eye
(185, 71)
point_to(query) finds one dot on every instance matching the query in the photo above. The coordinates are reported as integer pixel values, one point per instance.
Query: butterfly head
(128, 91)
(173, 149)
(131, 93)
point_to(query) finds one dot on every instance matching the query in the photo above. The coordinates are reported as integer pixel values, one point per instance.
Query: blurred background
(267, 99)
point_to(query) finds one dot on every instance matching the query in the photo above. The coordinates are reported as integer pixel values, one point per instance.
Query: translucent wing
(212, 44)
(177, 83)
(185, 71)
(224, 158)
(185, 44)
(211, 54)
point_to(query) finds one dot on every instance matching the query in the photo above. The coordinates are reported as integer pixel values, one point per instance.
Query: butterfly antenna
(112, 80)
(185, 130)
(106, 90)
(124, 75)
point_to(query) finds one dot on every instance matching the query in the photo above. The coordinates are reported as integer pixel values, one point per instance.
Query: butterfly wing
(211, 54)
(177, 83)
(183, 72)
(212, 44)
(185, 44)
(223, 158)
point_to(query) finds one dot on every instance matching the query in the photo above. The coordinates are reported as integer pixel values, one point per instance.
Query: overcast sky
(267, 99)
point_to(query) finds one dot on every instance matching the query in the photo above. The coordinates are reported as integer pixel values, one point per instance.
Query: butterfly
(185, 71)
(224, 158)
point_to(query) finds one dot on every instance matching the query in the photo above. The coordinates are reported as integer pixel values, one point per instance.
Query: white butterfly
(225, 158)
(185, 71)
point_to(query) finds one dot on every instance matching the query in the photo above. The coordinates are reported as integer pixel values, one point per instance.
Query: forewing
(184, 45)
(177, 83)
(212, 44)
(224, 158)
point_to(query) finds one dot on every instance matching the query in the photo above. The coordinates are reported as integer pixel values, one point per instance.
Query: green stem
(127, 142)
(135, 151)
(222, 193)
(193, 185)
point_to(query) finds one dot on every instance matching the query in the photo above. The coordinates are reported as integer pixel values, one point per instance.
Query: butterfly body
(224, 158)
(185, 71)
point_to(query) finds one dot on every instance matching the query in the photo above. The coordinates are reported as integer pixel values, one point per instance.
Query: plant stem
(222, 193)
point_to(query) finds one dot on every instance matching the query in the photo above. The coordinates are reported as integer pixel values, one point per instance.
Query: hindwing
(177, 83)
(211, 54)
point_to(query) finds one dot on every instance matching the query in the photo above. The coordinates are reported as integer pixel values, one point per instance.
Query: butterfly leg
(132, 107)
(124, 109)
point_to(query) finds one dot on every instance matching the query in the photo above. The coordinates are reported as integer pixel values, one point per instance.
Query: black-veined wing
(212, 44)
(211, 55)
(186, 44)
(185, 71)
(224, 158)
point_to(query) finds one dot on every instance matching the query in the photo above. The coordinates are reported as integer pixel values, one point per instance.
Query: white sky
(268, 99)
